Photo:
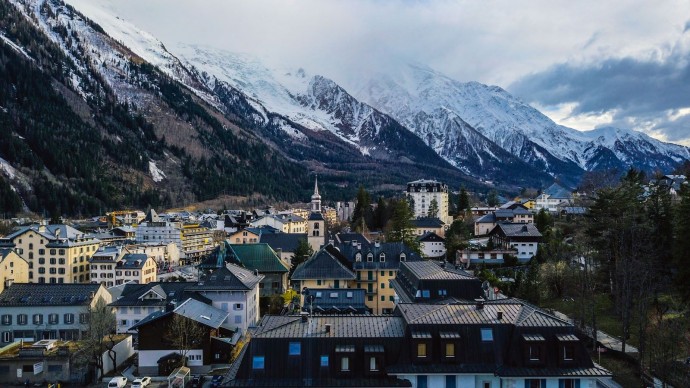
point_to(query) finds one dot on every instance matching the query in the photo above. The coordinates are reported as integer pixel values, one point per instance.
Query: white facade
(128, 316)
(243, 306)
(160, 232)
(160, 252)
(548, 203)
(423, 192)
(432, 248)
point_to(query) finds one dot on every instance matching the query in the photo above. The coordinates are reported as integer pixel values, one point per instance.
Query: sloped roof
(229, 277)
(313, 216)
(467, 313)
(324, 265)
(48, 294)
(427, 222)
(202, 313)
(489, 218)
(392, 252)
(345, 238)
(557, 191)
(258, 257)
(362, 326)
(430, 236)
(287, 242)
(133, 294)
(428, 270)
(133, 260)
(333, 299)
(516, 230)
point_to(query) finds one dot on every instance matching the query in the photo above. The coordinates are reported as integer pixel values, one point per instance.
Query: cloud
(642, 94)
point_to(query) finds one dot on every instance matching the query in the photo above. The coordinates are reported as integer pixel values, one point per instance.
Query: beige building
(196, 240)
(13, 268)
(164, 254)
(244, 237)
(55, 253)
(423, 193)
(132, 267)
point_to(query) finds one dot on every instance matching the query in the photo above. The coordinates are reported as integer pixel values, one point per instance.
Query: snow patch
(156, 174)
(7, 169)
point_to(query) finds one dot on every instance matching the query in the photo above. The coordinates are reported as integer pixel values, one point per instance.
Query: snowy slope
(417, 91)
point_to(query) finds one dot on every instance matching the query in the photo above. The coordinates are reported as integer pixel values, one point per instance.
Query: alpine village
(162, 226)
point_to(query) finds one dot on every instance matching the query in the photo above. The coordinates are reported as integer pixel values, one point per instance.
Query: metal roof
(516, 230)
(258, 257)
(202, 313)
(341, 326)
(324, 265)
(48, 294)
(229, 277)
(287, 242)
(468, 313)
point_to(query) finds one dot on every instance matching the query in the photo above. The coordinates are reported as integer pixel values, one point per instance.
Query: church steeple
(316, 197)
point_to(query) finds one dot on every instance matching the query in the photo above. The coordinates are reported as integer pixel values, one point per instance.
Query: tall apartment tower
(423, 192)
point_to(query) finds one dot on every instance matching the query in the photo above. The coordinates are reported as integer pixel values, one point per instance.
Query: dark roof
(325, 383)
(327, 263)
(58, 235)
(345, 238)
(48, 294)
(132, 260)
(430, 236)
(514, 313)
(426, 270)
(315, 217)
(392, 252)
(358, 326)
(557, 191)
(4, 252)
(258, 257)
(489, 218)
(595, 371)
(229, 277)
(427, 222)
(427, 280)
(157, 294)
(516, 230)
(287, 242)
(335, 300)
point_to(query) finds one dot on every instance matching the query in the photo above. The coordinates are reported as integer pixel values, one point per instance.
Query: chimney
(354, 243)
(256, 272)
(328, 328)
(480, 303)
(499, 315)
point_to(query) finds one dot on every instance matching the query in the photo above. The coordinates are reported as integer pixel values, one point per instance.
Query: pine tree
(433, 208)
(463, 201)
(400, 225)
(681, 244)
(492, 198)
(362, 213)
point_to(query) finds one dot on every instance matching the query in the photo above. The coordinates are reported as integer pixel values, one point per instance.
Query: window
(403, 257)
(370, 257)
(450, 350)
(535, 383)
(487, 334)
(238, 319)
(358, 257)
(486, 384)
(450, 381)
(22, 319)
(6, 336)
(383, 285)
(568, 352)
(6, 319)
(421, 350)
(534, 352)
(53, 319)
(324, 361)
(382, 257)
(41, 270)
(53, 261)
(83, 318)
(373, 366)
(295, 349)
(345, 364)
(422, 382)
(568, 383)
(69, 318)
(258, 362)
(41, 260)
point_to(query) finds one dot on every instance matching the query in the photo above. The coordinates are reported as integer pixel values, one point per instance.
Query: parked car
(216, 381)
(197, 381)
(117, 382)
(141, 383)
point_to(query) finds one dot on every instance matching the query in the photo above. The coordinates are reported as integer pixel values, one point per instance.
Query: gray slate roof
(429, 270)
(558, 191)
(517, 230)
(136, 294)
(202, 313)
(287, 242)
(361, 326)
(427, 222)
(230, 277)
(327, 263)
(518, 314)
(48, 294)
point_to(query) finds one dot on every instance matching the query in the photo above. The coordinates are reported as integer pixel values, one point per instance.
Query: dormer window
(382, 257)
(534, 344)
(358, 257)
(370, 257)
(403, 257)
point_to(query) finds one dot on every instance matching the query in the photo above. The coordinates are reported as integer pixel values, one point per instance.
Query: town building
(428, 281)
(518, 215)
(286, 223)
(164, 254)
(130, 267)
(156, 345)
(13, 268)
(425, 225)
(334, 301)
(32, 312)
(262, 259)
(432, 245)
(55, 253)
(524, 238)
(552, 197)
(423, 192)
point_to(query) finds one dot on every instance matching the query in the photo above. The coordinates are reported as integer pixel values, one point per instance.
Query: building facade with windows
(55, 253)
(33, 312)
(13, 268)
(423, 192)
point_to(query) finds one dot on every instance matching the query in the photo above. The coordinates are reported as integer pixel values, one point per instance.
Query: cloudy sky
(585, 63)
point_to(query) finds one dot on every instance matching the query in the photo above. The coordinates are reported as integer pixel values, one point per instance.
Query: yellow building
(13, 268)
(196, 240)
(55, 253)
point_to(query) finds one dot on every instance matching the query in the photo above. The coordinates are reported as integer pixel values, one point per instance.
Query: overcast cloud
(584, 63)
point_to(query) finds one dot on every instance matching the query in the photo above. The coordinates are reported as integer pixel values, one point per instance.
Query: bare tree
(99, 322)
(184, 335)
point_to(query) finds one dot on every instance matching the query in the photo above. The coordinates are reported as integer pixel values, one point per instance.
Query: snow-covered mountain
(432, 105)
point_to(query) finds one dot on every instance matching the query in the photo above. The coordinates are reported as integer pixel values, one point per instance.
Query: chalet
(157, 349)
(137, 301)
(524, 238)
(432, 245)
